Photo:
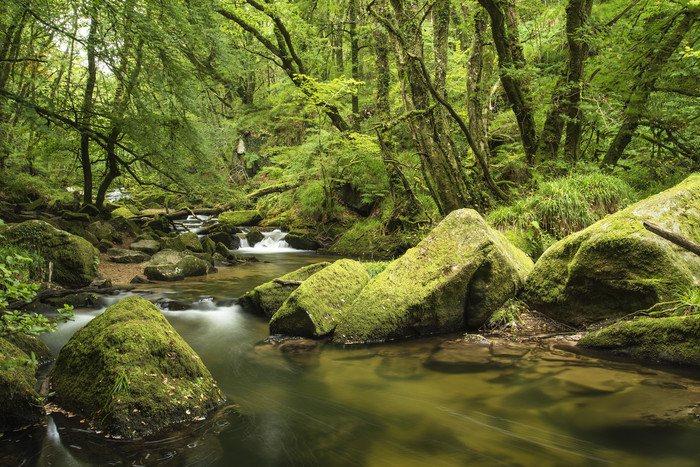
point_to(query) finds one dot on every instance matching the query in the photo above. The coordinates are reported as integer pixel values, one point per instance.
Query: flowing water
(400, 404)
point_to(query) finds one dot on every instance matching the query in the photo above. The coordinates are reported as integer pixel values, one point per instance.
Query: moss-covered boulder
(254, 236)
(171, 265)
(104, 231)
(172, 243)
(20, 404)
(616, 267)
(191, 242)
(454, 278)
(267, 298)
(32, 344)
(124, 212)
(120, 255)
(674, 339)
(130, 373)
(314, 309)
(301, 240)
(235, 218)
(74, 259)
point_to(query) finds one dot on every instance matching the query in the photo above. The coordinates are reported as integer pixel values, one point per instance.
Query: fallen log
(52, 293)
(673, 237)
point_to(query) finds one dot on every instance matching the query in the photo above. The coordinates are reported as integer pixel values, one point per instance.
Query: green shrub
(565, 205)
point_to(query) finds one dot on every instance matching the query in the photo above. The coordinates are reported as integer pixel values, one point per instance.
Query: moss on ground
(130, 374)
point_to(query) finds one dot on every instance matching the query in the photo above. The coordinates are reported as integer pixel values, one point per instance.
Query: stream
(380, 405)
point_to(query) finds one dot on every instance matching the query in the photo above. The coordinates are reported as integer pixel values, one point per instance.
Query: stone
(231, 241)
(139, 279)
(171, 265)
(159, 223)
(191, 242)
(104, 245)
(616, 267)
(120, 255)
(673, 339)
(254, 236)
(123, 212)
(267, 298)
(20, 405)
(208, 245)
(150, 247)
(316, 306)
(236, 218)
(453, 279)
(28, 344)
(172, 243)
(104, 231)
(74, 259)
(130, 373)
(301, 240)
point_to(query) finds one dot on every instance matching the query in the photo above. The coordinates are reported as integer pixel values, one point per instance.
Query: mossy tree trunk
(86, 109)
(511, 63)
(564, 111)
(635, 107)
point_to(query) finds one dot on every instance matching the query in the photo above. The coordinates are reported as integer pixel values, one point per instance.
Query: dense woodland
(378, 115)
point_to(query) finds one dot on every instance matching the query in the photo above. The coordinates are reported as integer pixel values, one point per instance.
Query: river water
(382, 405)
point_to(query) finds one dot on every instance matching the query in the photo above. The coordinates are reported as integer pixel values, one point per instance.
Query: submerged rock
(267, 298)
(20, 405)
(314, 309)
(455, 278)
(74, 259)
(674, 339)
(615, 267)
(129, 373)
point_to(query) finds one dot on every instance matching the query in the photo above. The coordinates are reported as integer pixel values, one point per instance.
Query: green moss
(31, 344)
(236, 218)
(123, 212)
(367, 238)
(74, 259)
(167, 382)
(314, 309)
(191, 241)
(673, 339)
(455, 277)
(615, 267)
(20, 404)
(267, 298)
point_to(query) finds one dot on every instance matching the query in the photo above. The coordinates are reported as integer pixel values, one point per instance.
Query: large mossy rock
(454, 278)
(20, 404)
(74, 259)
(235, 218)
(267, 298)
(672, 339)
(616, 267)
(130, 373)
(301, 240)
(314, 309)
(171, 265)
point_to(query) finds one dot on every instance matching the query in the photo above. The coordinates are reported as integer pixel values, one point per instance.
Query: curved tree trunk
(634, 109)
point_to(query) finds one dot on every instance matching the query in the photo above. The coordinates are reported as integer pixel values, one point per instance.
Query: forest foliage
(393, 111)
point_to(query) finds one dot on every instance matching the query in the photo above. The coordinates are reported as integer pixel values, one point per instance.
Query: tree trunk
(640, 94)
(354, 60)
(477, 107)
(567, 95)
(86, 110)
(381, 50)
(511, 62)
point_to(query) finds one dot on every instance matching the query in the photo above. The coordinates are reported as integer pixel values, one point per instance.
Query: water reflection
(428, 401)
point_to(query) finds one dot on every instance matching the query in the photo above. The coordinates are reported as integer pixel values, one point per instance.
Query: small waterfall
(273, 242)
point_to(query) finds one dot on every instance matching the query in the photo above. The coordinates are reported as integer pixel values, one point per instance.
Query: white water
(272, 243)
(194, 223)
